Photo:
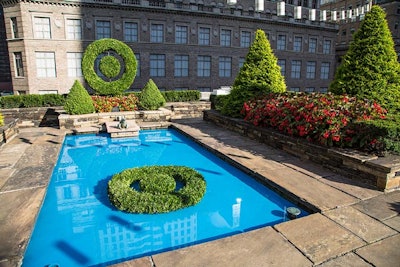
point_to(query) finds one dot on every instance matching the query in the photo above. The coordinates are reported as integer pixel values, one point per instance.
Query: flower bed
(330, 120)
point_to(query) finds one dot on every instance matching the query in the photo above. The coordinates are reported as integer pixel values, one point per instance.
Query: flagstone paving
(352, 225)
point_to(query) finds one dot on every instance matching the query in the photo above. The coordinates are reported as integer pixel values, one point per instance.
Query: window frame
(41, 29)
(181, 65)
(102, 34)
(224, 67)
(18, 65)
(74, 64)
(157, 65)
(49, 68)
(203, 66)
(131, 35)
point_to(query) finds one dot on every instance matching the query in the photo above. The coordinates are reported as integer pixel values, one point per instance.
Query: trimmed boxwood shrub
(116, 86)
(78, 100)
(151, 97)
(153, 189)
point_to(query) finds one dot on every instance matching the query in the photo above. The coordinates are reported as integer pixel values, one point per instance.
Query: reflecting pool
(77, 225)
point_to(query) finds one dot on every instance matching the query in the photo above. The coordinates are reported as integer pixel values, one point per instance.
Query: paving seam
(22, 189)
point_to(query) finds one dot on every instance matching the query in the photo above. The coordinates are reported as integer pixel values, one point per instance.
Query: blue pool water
(77, 226)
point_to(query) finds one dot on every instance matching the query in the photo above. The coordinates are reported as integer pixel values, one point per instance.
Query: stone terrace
(353, 224)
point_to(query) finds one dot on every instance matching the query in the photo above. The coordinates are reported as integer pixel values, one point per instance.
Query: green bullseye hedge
(153, 189)
(101, 86)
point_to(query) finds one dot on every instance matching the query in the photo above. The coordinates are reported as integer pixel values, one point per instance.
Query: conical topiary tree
(78, 100)
(259, 75)
(370, 68)
(151, 97)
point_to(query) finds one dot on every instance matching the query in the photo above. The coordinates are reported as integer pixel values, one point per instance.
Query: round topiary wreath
(101, 86)
(156, 189)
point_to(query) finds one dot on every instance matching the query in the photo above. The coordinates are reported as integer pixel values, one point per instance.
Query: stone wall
(49, 116)
(187, 110)
(95, 119)
(33, 117)
(382, 172)
(8, 131)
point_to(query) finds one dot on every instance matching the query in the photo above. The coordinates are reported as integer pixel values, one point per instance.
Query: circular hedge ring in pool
(101, 86)
(156, 189)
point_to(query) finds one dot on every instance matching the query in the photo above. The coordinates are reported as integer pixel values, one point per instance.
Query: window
(103, 29)
(309, 89)
(204, 36)
(312, 45)
(203, 66)
(14, 27)
(157, 33)
(297, 44)
(282, 64)
(310, 72)
(225, 38)
(241, 62)
(281, 45)
(74, 64)
(245, 39)
(294, 89)
(296, 68)
(157, 65)
(42, 28)
(327, 47)
(130, 31)
(74, 29)
(19, 67)
(225, 66)
(181, 34)
(45, 64)
(181, 64)
(323, 90)
(325, 68)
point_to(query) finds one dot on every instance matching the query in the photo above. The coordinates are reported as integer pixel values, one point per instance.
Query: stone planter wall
(382, 172)
(89, 120)
(187, 110)
(45, 116)
(8, 131)
(33, 117)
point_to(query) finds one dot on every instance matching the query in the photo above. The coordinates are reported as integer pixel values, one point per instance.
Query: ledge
(381, 172)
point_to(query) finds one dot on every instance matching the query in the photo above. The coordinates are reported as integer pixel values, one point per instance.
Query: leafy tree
(78, 100)
(259, 75)
(370, 68)
(151, 97)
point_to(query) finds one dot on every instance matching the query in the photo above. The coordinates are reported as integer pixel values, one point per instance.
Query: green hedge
(176, 96)
(181, 96)
(386, 133)
(155, 189)
(29, 101)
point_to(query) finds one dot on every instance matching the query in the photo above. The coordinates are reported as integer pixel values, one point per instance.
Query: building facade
(5, 73)
(348, 14)
(180, 44)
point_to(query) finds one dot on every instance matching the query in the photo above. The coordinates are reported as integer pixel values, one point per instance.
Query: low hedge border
(156, 191)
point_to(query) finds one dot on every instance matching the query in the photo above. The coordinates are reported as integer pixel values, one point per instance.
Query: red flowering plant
(107, 103)
(323, 118)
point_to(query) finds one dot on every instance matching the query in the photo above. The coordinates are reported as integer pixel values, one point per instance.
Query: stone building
(180, 44)
(5, 74)
(348, 14)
